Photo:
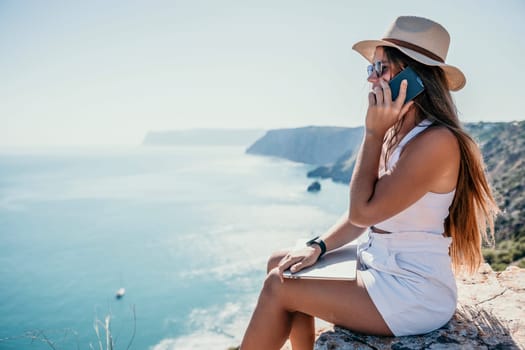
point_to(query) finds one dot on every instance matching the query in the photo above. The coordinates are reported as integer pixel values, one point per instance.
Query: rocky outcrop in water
(314, 187)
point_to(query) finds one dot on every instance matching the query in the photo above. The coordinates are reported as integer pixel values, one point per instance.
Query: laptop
(338, 264)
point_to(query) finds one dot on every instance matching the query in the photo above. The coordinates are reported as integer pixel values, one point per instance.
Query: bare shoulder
(437, 156)
(436, 148)
(435, 140)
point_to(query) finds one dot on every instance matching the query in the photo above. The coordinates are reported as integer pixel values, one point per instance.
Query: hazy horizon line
(220, 129)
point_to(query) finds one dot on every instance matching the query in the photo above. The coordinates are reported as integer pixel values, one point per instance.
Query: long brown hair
(473, 209)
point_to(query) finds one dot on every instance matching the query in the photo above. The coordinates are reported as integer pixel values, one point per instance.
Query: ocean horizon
(185, 229)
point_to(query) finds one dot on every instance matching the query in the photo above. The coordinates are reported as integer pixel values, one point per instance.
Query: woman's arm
(342, 232)
(364, 177)
(429, 163)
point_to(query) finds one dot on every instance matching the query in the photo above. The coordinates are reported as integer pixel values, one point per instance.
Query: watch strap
(317, 240)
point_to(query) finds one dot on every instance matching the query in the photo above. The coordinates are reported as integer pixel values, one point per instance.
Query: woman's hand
(382, 112)
(297, 260)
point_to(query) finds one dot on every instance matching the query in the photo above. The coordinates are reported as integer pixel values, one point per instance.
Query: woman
(418, 191)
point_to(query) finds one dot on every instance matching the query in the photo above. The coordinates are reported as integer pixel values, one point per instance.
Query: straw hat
(421, 39)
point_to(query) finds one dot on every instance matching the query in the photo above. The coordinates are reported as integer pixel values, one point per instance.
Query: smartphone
(415, 84)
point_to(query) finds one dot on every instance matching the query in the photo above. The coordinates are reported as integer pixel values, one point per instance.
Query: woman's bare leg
(345, 303)
(302, 331)
(302, 334)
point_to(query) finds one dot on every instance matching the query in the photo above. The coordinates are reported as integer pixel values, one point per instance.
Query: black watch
(317, 240)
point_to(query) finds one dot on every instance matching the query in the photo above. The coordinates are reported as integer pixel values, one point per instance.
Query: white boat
(120, 293)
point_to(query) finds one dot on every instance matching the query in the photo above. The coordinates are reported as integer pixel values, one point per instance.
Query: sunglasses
(376, 67)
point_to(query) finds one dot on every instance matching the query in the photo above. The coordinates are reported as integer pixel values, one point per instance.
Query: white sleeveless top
(428, 214)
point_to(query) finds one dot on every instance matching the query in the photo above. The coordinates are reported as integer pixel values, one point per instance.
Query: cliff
(310, 145)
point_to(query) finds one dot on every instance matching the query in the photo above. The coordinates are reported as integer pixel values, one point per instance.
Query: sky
(107, 72)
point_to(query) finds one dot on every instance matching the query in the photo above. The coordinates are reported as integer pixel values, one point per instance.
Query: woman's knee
(274, 259)
(272, 285)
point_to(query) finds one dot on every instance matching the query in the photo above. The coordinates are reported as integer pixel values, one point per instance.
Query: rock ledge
(490, 315)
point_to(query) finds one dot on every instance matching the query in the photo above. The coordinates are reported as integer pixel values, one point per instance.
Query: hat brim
(455, 78)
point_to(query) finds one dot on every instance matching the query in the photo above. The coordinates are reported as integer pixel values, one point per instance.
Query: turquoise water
(186, 230)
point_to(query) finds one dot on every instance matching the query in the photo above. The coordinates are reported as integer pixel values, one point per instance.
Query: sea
(186, 230)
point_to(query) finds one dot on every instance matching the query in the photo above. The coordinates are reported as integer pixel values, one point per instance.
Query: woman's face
(381, 68)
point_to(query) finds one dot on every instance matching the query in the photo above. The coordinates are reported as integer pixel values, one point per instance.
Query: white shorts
(409, 277)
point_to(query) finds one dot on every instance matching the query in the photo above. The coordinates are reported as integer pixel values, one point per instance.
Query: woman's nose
(372, 78)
